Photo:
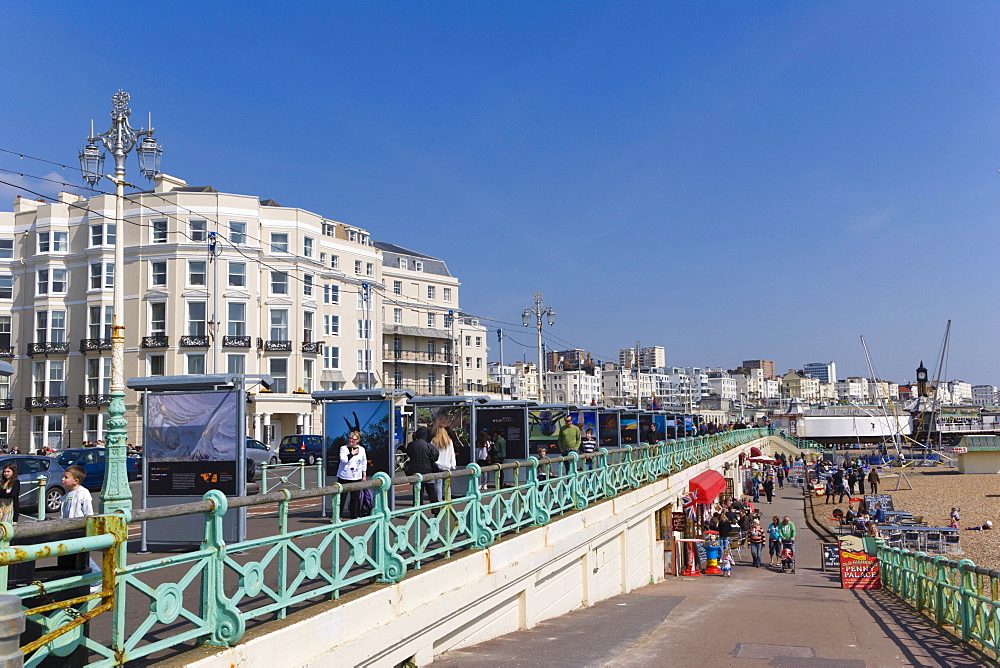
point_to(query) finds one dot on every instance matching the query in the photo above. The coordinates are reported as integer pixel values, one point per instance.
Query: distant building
(765, 365)
(824, 371)
(797, 385)
(984, 395)
(567, 359)
(649, 358)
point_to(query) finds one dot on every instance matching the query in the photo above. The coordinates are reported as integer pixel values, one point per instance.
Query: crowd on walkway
(735, 524)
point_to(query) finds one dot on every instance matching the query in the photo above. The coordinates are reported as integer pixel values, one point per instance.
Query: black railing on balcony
(194, 342)
(158, 341)
(91, 345)
(6, 351)
(46, 402)
(315, 347)
(277, 346)
(48, 348)
(430, 357)
(235, 341)
(6, 404)
(93, 400)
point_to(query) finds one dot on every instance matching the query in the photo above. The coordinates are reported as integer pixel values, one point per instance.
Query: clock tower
(921, 380)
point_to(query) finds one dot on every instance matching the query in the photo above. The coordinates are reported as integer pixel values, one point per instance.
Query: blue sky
(728, 180)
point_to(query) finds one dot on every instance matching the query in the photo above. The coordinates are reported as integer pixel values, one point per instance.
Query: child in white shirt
(726, 564)
(78, 502)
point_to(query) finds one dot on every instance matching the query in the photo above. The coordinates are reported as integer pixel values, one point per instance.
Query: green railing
(209, 595)
(955, 594)
(802, 443)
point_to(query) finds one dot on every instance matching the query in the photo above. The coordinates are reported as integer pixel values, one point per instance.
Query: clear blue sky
(727, 180)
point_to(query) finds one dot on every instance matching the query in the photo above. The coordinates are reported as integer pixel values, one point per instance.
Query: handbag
(366, 501)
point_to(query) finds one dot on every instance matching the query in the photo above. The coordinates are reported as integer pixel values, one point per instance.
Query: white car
(258, 454)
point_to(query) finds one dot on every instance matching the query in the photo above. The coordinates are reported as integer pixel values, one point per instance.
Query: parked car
(29, 467)
(257, 455)
(301, 446)
(92, 461)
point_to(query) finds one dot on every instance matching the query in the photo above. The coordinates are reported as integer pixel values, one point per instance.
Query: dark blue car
(92, 461)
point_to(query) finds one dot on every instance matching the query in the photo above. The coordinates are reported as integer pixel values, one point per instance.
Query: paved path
(758, 617)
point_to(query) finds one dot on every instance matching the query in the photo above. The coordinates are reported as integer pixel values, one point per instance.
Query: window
(331, 357)
(279, 283)
(50, 326)
(238, 274)
(279, 242)
(431, 320)
(55, 242)
(46, 430)
(468, 340)
(418, 265)
(307, 285)
(357, 267)
(197, 319)
(397, 316)
(198, 230)
(331, 325)
(99, 321)
(329, 229)
(369, 269)
(102, 274)
(308, 320)
(195, 363)
(6, 249)
(279, 324)
(468, 362)
(307, 246)
(237, 232)
(479, 362)
(102, 234)
(42, 285)
(334, 262)
(397, 287)
(479, 342)
(236, 319)
(446, 294)
(322, 258)
(279, 372)
(197, 272)
(6, 286)
(159, 231)
(364, 360)
(352, 235)
(361, 301)
(99, 375)
(158, 273)
(50, 378)
(364, 329)
(5, 324)
(236, 364)
(157, 318)
(59, 277)
(308, 371)
(157, 365)
(431, 292)
(331, 294)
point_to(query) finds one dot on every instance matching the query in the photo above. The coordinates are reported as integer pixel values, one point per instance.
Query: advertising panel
(191, 441)
(372, 420)
(457, 420)
(510, 423)
(608, 433)
(629, 424)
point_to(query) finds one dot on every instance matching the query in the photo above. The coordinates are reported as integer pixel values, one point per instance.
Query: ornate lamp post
(539, 312)
(119, 141)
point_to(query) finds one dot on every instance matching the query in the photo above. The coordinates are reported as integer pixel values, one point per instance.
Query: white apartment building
(882, 389)
(505, 376)
(824, 371)
(984, 395)
(852, 390)
(526, 377)
(961, 391)
(654, 357)
(573, 387)
(721, 383)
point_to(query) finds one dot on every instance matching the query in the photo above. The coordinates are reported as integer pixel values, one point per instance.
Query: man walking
(873, 480)
(569, 440)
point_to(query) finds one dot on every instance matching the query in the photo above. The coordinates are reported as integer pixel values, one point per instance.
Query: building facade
(824, 371)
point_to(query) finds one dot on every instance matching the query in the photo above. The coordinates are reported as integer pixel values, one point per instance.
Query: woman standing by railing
(10, 494)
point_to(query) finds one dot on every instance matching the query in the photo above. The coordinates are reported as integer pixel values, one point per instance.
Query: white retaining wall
(574, 561)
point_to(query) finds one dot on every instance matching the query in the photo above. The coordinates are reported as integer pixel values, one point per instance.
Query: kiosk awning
(755, 451)
(708, 485)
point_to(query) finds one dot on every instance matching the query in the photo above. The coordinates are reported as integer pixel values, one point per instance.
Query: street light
(539, 312)
(118, 140)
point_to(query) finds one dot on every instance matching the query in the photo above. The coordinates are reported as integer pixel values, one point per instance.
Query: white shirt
(352, 468)
(78, 503)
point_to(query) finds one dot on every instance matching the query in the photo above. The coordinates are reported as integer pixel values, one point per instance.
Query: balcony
(235, 341)
(421, 356)
(46, 402)
(6, 351)
(94, 345)
(277, 346)
(93, 400)
(194, 342)
(48, 348)
(314, 347)
(6, 404)
(158, 341)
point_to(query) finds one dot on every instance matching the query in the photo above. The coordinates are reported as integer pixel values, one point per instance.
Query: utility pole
(539, 311)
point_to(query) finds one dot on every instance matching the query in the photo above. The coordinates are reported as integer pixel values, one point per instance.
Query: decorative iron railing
(277, 345)
(235, 341)
(93, 400)
(6, 404)
(314, 347)
(92, 345)
(194, 342)
(7, 351)
(48, 348)
(158, 341)
(954, 594)
(46, 402)
(209, 595)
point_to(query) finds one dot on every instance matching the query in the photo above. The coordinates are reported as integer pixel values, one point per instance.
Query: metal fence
(209, 595)
(955, 594)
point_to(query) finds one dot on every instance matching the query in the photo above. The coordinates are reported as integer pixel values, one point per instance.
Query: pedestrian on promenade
(780, 471)
(774, 539)
(852, 480)
(842, 491)
(725, 531)
(726, 563)
(769, 489)
(443, 437)
(861, 479)
(498, 451)
(569, 441)
(755, 537)
(353, 468)
(589, 445)
(787, 531)
(873, 480)
(830, 490)
(755, 488)
(422, 459)
(543, 469)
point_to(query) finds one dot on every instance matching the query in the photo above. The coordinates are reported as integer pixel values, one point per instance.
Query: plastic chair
(911, 540)
(933, 541)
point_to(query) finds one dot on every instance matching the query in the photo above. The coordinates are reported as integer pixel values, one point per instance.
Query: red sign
(859, 570)
(679, 522)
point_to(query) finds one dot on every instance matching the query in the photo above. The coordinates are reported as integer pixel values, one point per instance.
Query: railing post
(482, 535)
(539, 514)
(41, 497)
(6, 534)
(965, 568)
(12, 620)
(392, 565)
(113, 588)
(940, 579)
(263, 479)
(225, 623)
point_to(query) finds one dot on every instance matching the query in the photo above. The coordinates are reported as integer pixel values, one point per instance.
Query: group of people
(76, 502)
(845, 478)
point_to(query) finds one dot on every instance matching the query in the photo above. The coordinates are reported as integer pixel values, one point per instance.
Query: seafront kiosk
(978, 454)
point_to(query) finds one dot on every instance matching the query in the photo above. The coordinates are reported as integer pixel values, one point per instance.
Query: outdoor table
(692, 569)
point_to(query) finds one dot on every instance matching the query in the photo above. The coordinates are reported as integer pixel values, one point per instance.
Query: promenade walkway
(757, 617)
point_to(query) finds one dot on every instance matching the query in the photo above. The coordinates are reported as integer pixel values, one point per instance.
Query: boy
(543, 469)
(78, 501)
